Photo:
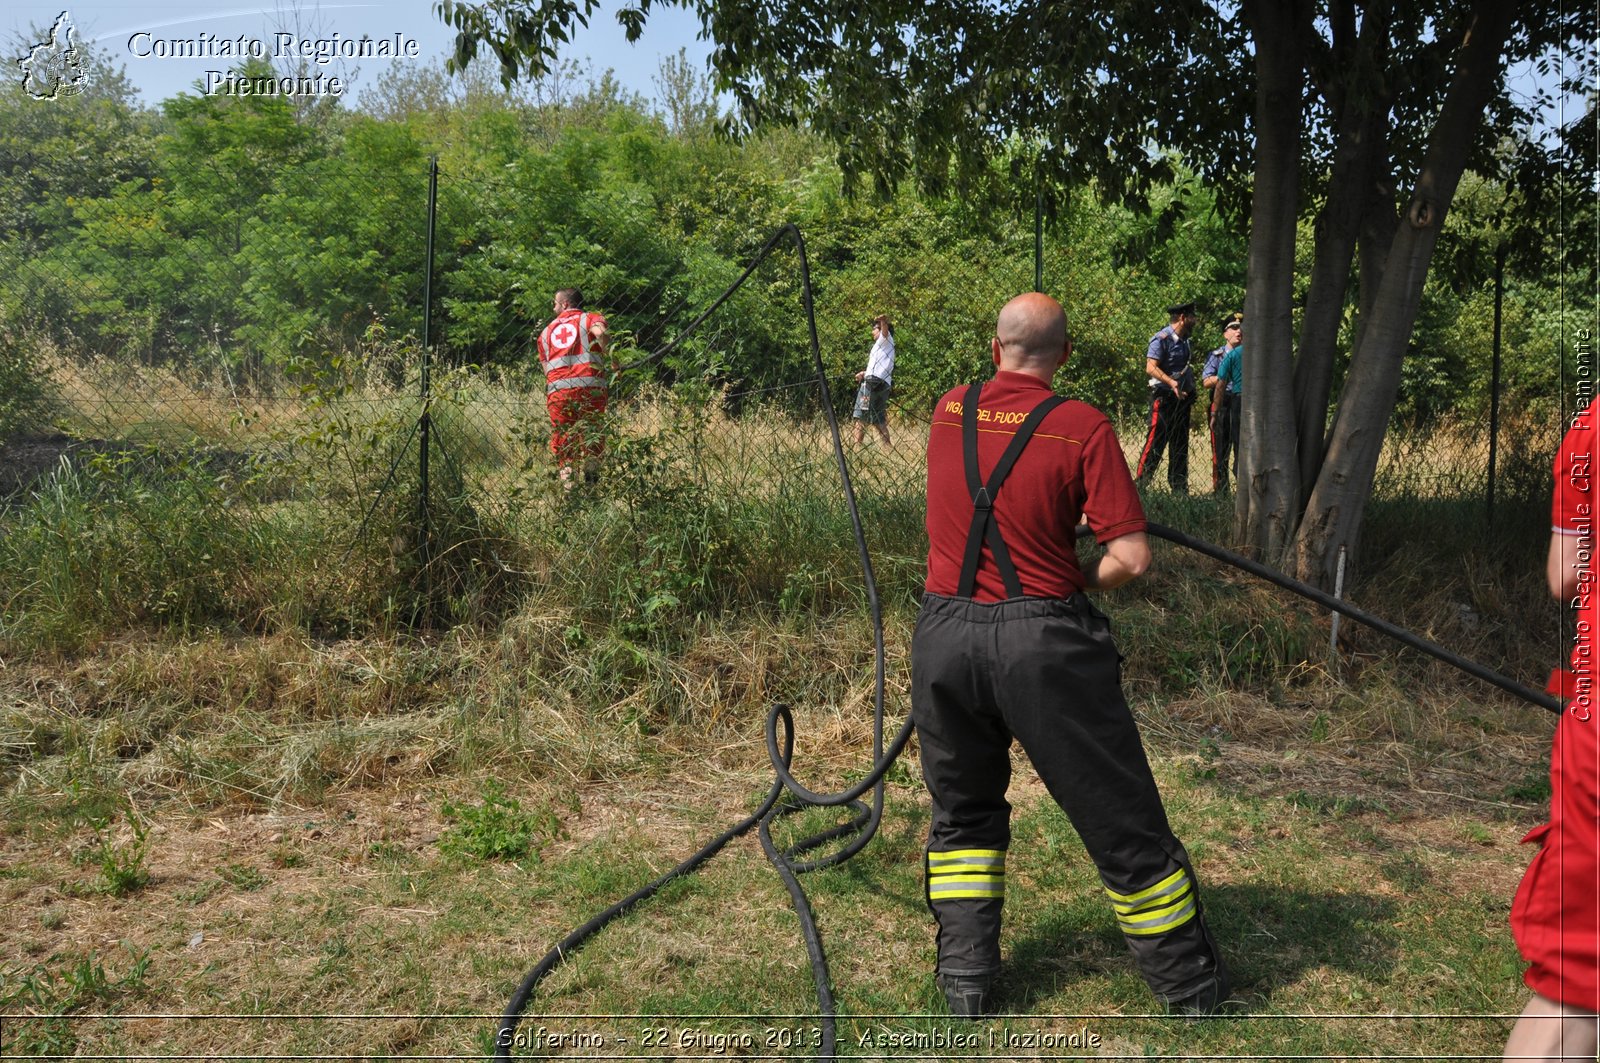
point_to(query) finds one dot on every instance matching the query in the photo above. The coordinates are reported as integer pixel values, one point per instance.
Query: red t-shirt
(1556, 914)
(1572, 514)
(1072, 467)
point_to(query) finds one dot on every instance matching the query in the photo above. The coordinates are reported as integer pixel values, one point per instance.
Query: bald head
(1031, 335)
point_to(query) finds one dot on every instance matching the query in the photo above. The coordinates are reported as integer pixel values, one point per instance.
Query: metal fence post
(1494, 375)
(1333, 634)
(425, 424)
(1038, 234)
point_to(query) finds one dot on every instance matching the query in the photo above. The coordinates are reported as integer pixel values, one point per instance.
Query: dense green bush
(27, 395)
(305, 228)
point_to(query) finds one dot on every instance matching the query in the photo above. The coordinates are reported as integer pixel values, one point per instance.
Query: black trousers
(1235, 418)
(1224, 438)
(1047, 672)
(1169, 431)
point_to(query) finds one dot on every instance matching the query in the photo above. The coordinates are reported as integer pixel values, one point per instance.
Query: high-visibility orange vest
(569, 354)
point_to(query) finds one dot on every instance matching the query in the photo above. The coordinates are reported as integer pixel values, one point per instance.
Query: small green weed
(1534, 788)
(201, 893)
(283, 856)
(800, 588)
(242, 877)
(336, 952)
(498, 828)
(122, 865)
(388, 851)
(63, 984)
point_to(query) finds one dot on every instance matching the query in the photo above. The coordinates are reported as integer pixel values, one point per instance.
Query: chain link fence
(265, 342)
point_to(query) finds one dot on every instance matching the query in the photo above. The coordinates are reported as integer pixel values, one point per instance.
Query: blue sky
(111, 24)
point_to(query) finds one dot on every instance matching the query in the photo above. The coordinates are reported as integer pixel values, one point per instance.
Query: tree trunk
(1378, 228)
(1268, 491)
(1358, 158)
(1333, 515)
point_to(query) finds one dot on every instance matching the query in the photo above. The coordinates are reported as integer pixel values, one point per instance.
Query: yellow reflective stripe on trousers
(1165, 906)
(963, 859)
(1159, 921)
(967, 874)
(1169, 885)
(960, 887)
(1165, 900)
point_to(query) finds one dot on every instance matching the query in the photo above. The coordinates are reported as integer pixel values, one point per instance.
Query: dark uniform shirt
(1170, 353)
(1072, 467)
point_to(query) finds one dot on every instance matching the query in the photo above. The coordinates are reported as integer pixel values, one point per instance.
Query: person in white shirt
(872, 398)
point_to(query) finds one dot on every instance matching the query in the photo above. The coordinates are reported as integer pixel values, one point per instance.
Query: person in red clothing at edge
(572, 353)
(1556, 915)
(1007, 644)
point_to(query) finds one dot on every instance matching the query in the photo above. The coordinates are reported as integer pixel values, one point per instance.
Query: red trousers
(572, 436)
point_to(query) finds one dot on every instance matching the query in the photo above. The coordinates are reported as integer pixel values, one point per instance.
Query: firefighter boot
(1205, 1001)
(967, 995)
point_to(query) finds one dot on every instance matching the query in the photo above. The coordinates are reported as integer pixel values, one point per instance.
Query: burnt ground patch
(27, 459)
(24, 460)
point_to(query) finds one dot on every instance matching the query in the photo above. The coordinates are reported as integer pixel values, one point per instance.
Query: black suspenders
(984, 526)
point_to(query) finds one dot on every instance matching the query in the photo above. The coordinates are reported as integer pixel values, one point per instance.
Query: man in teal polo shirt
(1230, 390)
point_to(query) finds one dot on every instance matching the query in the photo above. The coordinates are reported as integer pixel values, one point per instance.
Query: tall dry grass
(641, 604)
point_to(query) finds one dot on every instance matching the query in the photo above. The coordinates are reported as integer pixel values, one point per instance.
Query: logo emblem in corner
(53, 68)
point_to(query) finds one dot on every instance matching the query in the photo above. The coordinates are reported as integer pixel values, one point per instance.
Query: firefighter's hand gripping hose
(860, 828)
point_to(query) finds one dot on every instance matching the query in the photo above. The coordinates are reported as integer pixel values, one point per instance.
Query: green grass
(1322, 908)
(374, 785)
(39, 999)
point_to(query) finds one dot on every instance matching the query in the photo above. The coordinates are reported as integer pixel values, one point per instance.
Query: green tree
(1362, 116)
(688, 99)
(53, 152)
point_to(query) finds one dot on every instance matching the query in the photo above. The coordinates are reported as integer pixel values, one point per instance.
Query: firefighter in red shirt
(572, 353)
(1007, 644)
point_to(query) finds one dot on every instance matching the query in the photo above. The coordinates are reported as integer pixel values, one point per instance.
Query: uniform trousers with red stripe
(1169, 431)
(1047, 672)
(573, 431)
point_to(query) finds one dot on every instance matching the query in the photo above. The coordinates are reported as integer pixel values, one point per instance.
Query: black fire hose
(1399, 634)
(863, 823)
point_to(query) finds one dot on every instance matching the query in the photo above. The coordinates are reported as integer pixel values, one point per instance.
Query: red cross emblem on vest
(564, 335)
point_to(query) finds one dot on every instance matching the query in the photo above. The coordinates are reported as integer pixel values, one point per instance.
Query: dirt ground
(26, 459)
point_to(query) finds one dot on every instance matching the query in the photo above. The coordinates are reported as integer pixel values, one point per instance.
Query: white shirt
(880, 363)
